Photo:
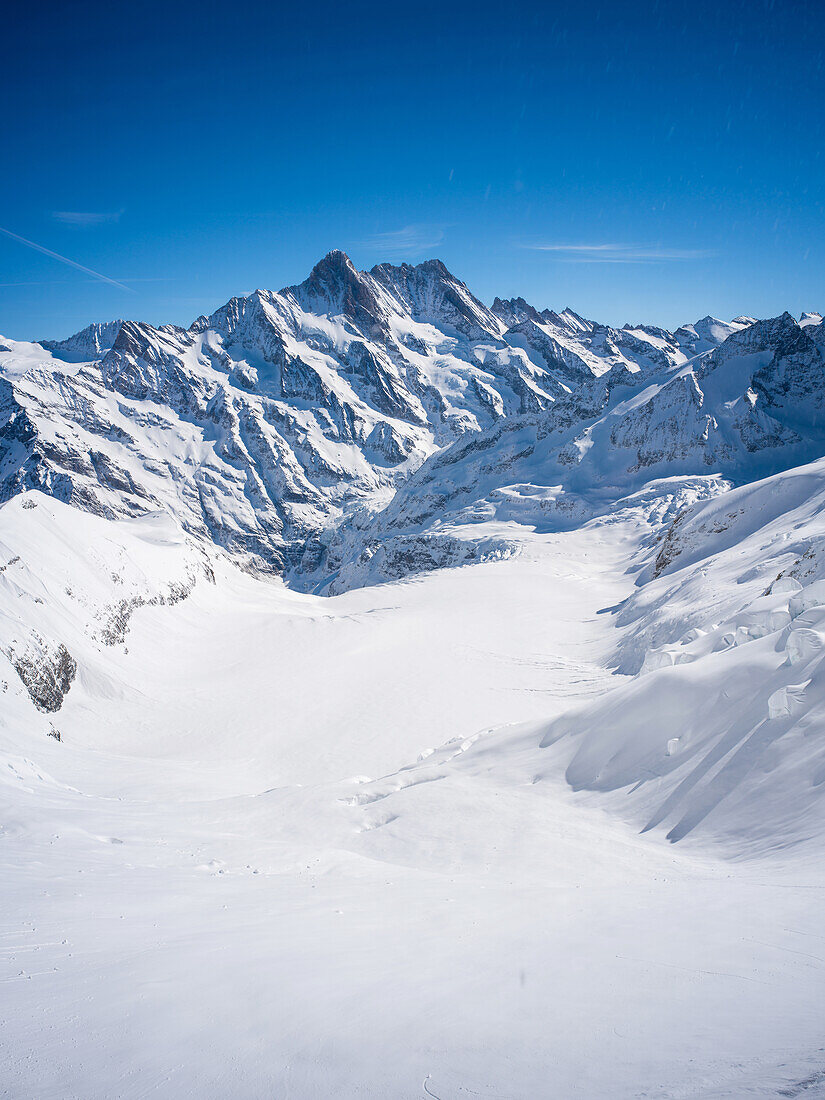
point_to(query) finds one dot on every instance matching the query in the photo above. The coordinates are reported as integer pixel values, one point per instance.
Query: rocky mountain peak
(87, 344)
(431, 294)
(336, 287)
(512, 311)
(782, 332)
(335, 266)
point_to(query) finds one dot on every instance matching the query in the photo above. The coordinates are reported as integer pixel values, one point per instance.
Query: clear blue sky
(637, 161)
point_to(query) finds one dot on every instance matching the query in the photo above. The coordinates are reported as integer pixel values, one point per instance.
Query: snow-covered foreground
(380, 844)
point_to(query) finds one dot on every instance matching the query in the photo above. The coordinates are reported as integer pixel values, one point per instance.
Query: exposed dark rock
(47, 674)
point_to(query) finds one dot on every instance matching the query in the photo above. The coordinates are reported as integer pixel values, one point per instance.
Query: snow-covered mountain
(750, 407)
(258, 426)
(90, 343)
(261, 427)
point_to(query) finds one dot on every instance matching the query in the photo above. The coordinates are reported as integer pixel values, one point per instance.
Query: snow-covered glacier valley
(401, 697)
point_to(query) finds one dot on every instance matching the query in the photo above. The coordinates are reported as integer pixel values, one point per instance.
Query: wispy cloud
(67, 282)
(86, 218)
(40, 282)
(63, 259)
(606, 253)
(410, 240)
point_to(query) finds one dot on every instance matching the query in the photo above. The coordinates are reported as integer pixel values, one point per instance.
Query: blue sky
(642, 161)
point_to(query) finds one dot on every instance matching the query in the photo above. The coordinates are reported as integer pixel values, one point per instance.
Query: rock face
(47, 674)
(265, 426)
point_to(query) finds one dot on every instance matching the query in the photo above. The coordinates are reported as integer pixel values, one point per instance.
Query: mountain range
(333, 431)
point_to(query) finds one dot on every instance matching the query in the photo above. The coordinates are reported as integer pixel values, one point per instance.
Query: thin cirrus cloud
(410, 240)
(619, 253)
(67, 282)
(63, 259)
(86, 218)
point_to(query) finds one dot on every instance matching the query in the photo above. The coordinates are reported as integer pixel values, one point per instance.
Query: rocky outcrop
(47, 672)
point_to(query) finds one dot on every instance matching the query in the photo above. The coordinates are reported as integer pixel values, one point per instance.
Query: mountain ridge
(263, 427)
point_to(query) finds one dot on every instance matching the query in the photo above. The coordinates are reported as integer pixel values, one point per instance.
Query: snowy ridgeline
(280, 427)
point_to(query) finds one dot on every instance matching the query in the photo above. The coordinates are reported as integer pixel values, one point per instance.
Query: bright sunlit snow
(404, 698)
(290, 845)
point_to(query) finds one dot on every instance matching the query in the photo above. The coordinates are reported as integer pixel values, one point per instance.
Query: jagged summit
(334, 269)
(432, 295)
(573, 320)
(513, 311)
(336, 258)
(427, 292)
(335, 286)
(89, 343)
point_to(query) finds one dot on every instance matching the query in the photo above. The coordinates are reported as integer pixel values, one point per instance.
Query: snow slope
(364, 845)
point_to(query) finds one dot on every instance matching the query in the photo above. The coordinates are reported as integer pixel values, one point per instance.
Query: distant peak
(513, 311)
(437, 266)
(434, 295)
(332, 272)
(335, 260)
(336, 285)
(433, 267)
(89, 343)
(785, 322)
(336, 265)
(568, 320)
